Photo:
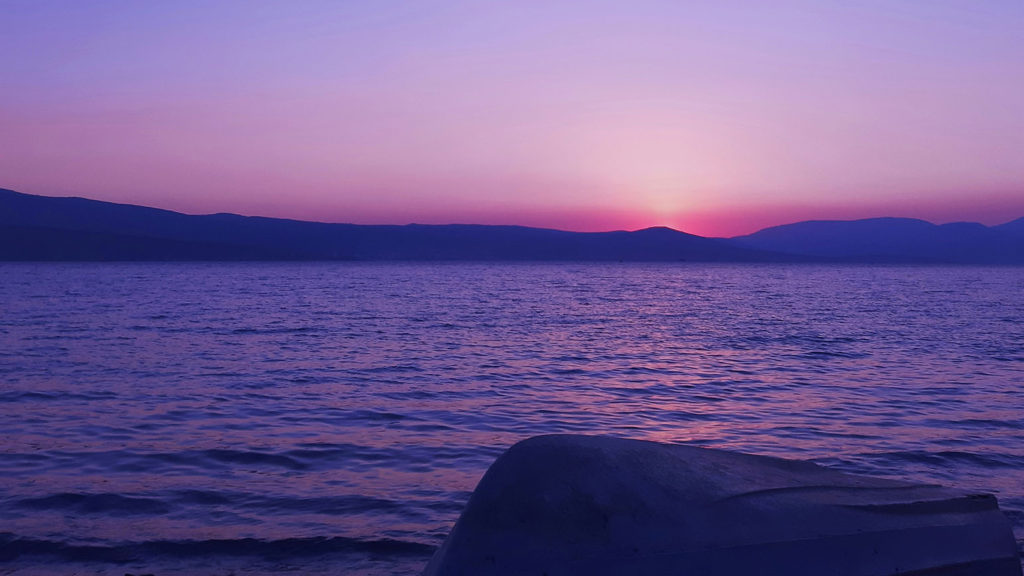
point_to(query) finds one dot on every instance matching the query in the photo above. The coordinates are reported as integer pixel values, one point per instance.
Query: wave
(303, 458)
(295, 330)
(945, 459)
(34, 395)
(107, 504)
(111, 504)
(14, 548)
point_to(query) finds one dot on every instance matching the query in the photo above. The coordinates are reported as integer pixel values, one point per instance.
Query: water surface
(333, 418)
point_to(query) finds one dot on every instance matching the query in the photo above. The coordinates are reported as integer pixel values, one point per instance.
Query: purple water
(333, 418)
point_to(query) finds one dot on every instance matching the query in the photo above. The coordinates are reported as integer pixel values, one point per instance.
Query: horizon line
(515, 225)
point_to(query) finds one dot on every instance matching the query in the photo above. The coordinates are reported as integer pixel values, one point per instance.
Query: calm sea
(334, 418)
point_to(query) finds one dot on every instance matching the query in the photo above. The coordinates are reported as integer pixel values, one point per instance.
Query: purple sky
(714, 117)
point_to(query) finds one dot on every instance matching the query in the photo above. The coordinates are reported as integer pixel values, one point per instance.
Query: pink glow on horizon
(728, 222)
(717, 119)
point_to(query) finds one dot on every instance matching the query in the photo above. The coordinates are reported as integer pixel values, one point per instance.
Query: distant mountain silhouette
(895, 240)
(46, 228)
(1016, 227)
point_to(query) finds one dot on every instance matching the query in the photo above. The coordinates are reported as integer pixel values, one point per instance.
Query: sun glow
(575, 116)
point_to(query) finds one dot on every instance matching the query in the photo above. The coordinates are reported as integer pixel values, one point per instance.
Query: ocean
(333, 418)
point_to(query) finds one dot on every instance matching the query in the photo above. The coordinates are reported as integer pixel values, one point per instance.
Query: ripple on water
(335, 417)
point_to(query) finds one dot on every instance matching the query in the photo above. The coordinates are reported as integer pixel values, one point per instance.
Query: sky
(718, 118)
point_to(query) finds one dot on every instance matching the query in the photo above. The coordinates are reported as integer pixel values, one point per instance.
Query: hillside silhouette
(46, 228)
(895, 240)
(42, 228)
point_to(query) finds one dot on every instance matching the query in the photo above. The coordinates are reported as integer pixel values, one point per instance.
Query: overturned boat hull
(567, 505)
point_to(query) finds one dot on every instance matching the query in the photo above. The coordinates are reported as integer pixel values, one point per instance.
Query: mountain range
(42, 228)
